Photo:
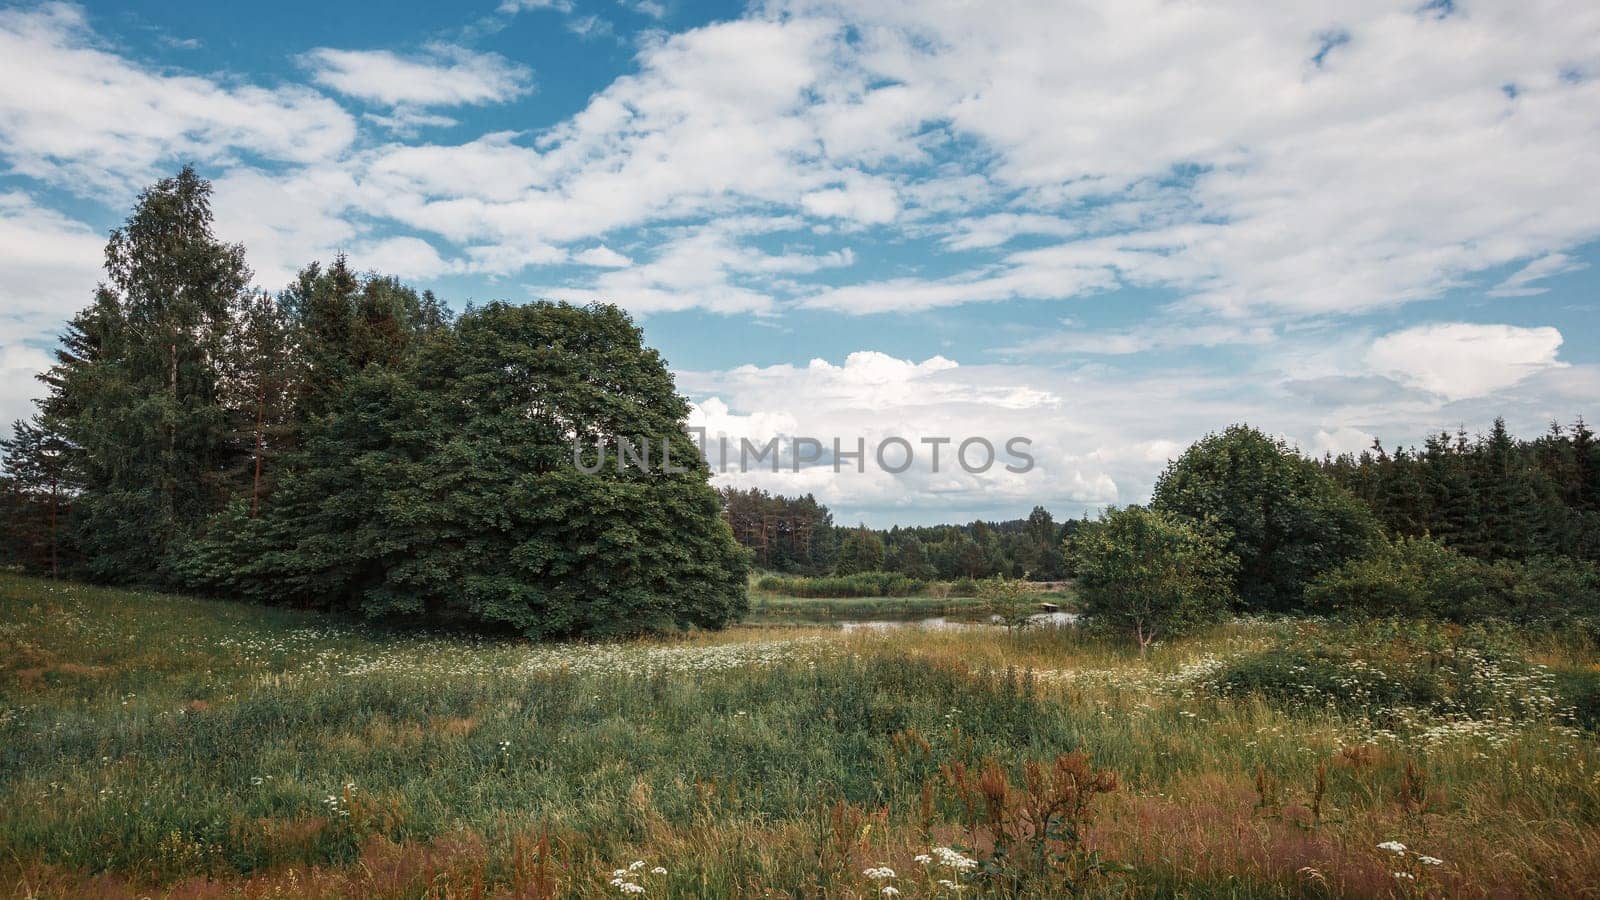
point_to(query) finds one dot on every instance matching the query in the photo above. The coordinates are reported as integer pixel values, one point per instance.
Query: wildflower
(890, 890)
(1405, 876)
(922, 858)
(658, 870)
(878, 873)
(1430, 860)
(1395, 847)
(948, 884)
(951, 859)
(636, 865)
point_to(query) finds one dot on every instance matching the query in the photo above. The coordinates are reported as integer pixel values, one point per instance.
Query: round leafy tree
(481, 485)
(1276, 512)
(1149, 574)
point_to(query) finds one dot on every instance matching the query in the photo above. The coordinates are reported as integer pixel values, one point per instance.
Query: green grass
(155, 743)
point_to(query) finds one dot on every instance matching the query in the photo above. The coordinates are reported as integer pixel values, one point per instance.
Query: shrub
(1383, 667)
(1409, 578)
(1148, 574)
(860, 584)
(1423, 578)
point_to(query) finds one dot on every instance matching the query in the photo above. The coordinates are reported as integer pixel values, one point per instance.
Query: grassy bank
(160, 744)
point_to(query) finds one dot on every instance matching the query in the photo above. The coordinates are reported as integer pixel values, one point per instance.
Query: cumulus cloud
(1458, 359)
(85, 118)
(1099, 434)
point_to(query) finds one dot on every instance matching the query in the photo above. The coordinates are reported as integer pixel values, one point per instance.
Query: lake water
(944, 623)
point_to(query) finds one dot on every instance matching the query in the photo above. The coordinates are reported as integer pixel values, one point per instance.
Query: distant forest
(1491, 497)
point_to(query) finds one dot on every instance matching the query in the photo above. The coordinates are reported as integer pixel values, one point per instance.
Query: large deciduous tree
(448, 489)
(1278, 514)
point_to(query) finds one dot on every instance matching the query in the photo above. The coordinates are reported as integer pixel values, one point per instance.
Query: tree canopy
(1275, 511)
(349, 445)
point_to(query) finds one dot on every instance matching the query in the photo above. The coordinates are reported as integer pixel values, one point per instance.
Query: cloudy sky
(1108, 227)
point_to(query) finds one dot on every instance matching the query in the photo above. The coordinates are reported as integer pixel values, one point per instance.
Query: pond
(945, 623)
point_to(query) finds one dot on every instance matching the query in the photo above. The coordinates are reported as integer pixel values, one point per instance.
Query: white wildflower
(1395, 847)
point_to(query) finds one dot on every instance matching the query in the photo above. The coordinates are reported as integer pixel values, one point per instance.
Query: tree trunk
(169, 481)
(55, 568)
(255, 487)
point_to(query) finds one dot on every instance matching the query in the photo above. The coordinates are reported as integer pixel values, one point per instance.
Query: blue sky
(1108, 227)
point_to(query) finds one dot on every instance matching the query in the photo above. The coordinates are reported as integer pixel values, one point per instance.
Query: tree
(257, 386)
(447, 490)
(1150, 574)
(1278, 514)
(909, 557)
(135, 386)
(860, 550)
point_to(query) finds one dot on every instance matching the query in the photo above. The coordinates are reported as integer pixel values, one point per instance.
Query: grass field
(157, 745)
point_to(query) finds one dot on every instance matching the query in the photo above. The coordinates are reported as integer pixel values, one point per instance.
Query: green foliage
(1149, 574)
(1283, 519)
(1423, 578)
(1389, 669)
(860, 550)
(1491, 497)
(1408, 578)
(783, 534)
(859, 584)
(449, 491)
(1013, 600)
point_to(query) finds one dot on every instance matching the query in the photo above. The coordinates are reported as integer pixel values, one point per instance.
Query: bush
(860, 584)
(1383, 667)
(1409, 578)
(1422, 578)
(1149, 574)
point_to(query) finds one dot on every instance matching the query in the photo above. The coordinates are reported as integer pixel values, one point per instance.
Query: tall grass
(156, 744)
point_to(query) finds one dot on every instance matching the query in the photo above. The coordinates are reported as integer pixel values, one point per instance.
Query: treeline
(1242, 523)
(1490, 497)
(797, 535)
(349, 444)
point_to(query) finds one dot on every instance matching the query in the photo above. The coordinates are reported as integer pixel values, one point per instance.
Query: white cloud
(1521, 283)
(602, 257)
(48, 267)
(511, 7)
(1459, 360)
(1099, 434)
(85, 118)
(861, 199)
(442, 75)
(706, 268)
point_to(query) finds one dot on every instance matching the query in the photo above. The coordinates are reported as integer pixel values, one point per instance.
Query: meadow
(155, 745)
